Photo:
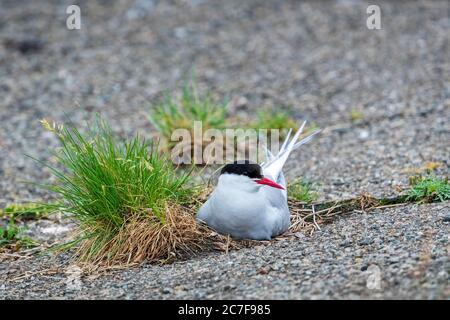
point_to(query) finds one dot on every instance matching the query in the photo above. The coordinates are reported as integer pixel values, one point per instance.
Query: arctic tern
(250, 199)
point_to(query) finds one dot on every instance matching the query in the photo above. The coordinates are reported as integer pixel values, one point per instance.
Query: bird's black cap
(243, 167)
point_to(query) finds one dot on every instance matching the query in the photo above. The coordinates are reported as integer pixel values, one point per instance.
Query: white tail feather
(283, 147)
(274, 164)
(305, 140)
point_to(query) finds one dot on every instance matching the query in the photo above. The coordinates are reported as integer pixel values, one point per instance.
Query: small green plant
(181, 113)
(428, 189)
(10, 235)
(125, 195)
(25, 211)
(303, 191)
(355, 115)
(279, 119)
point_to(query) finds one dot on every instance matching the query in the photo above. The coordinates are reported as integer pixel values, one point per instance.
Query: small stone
(229, 287)
(394, 259)
(339, 182)
(446, 218)
(166, 290)
(346, 243)
(262, 271)
(200, 295)
(277, 266)
(365, 241)
(241, 102)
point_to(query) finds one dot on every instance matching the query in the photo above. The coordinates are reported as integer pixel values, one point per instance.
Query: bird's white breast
(246, 210)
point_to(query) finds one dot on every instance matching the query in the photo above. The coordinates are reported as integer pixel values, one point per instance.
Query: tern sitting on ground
(250, 200)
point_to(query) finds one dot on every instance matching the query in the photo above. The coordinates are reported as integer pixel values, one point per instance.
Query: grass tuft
(302, 191)
(428, 189)
(278, 119)
(113, 188)
(180, 113)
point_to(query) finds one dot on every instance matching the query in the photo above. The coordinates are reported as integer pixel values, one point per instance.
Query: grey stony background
(317, 57)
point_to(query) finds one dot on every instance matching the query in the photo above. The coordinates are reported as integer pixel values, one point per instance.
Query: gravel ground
(406, 247)
(317, 57)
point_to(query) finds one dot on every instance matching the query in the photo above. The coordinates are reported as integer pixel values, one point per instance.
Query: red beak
(269, 183)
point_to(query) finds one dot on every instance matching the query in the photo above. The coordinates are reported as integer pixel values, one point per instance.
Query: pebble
(365, 241)
(167, 290)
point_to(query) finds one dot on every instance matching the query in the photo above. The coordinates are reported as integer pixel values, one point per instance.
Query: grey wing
(282, 181)
(278, 210)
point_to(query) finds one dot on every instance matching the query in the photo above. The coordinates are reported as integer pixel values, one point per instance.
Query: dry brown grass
(308, 217)
(146, 239)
